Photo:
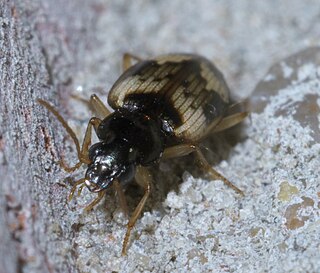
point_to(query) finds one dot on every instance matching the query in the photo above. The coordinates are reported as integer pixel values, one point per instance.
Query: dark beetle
(163, 107)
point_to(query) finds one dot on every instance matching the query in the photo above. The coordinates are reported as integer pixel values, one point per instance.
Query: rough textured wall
(52, 49)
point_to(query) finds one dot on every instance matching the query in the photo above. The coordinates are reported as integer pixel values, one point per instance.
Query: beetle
(163, 108)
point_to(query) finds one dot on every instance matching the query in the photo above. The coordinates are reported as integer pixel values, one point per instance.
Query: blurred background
(244, 38)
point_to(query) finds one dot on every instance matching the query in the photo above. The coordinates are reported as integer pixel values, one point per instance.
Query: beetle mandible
(163, 108)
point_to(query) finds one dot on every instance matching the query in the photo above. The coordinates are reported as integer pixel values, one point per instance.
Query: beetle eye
(95, 150)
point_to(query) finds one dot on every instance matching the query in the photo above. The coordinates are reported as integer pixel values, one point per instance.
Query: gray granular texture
(55, 49)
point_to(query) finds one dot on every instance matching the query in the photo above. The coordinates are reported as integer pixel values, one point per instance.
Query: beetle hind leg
(229, 121)
(185, 149)
(213, 173)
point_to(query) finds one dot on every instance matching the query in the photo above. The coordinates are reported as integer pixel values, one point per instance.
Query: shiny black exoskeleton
(127, 139)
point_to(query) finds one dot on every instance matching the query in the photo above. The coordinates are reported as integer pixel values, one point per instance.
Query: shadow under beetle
(163, 108)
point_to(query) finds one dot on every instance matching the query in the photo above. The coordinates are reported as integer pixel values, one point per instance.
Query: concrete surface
(52, 49)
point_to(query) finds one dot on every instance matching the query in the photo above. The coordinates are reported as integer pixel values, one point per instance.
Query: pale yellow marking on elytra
(213, 82)
(173, 58)
(188, 123)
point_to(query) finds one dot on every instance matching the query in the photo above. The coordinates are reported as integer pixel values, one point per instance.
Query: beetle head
(109, 161)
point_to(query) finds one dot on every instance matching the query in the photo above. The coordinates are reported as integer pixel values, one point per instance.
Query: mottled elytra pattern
(190, 89)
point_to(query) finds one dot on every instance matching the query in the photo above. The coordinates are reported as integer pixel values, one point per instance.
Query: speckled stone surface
(190, 224)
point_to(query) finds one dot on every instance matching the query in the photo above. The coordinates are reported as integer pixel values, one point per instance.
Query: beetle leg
(237, 106)
(178, 151)
(87, 138)
(121, 196)
(220, 124)
(127, 60)
(214, 174)
(98, 106)
(95, 104)
(62, 121)
(230, 121)
(83, 152)
(143, 178)
(185, 149)
(95, 201)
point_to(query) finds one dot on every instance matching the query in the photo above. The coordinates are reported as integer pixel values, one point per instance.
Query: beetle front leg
(83, 154)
